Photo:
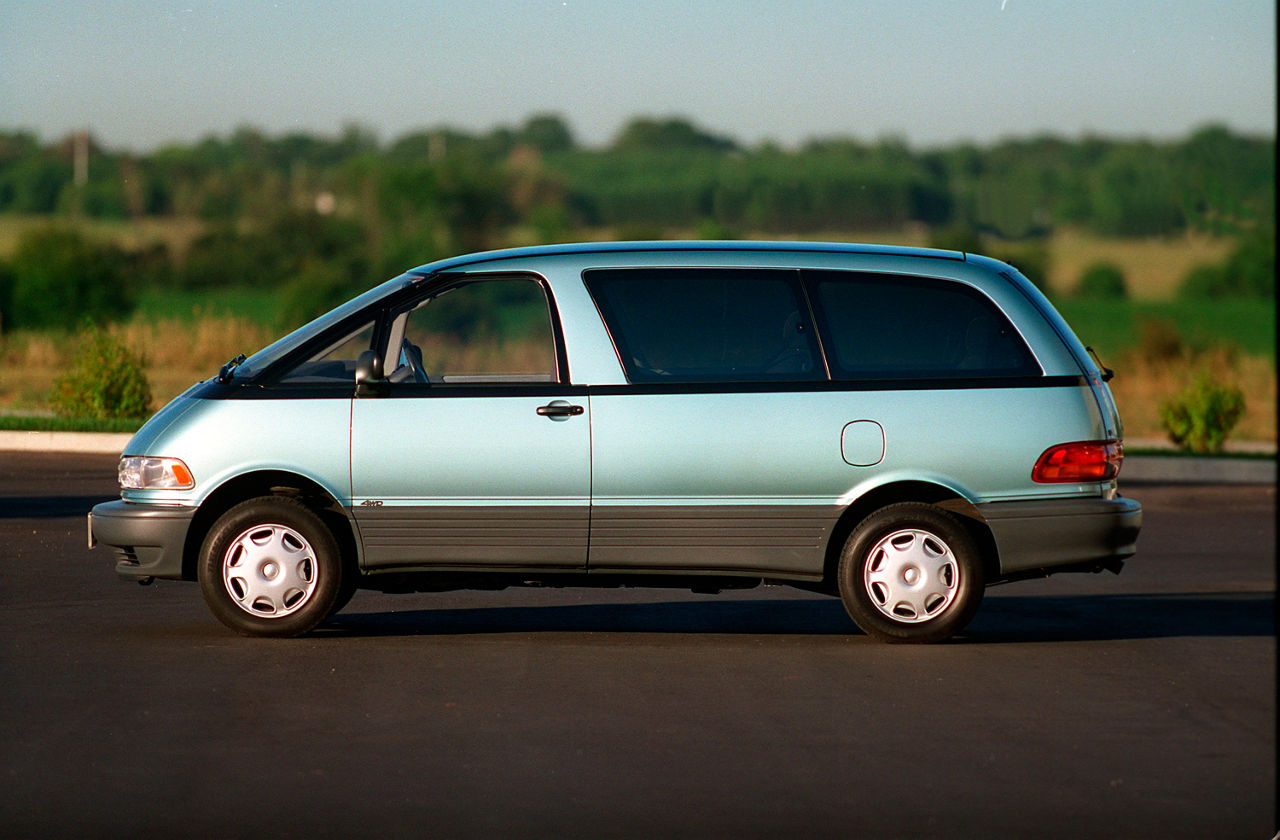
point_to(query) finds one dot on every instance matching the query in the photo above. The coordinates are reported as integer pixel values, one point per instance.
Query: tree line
(664, 173)
(319, 216)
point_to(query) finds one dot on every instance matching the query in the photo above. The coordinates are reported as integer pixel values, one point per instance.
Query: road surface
(1138, 705)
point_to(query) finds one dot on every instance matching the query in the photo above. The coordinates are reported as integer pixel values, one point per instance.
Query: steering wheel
(411, 355)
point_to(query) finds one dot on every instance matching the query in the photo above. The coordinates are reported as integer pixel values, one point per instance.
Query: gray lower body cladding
(147, 540)
(1062, 532)
(781, 540)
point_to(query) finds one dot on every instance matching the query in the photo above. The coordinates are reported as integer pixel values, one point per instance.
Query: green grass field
(1113, 327)
(190, 305)
(28, 423)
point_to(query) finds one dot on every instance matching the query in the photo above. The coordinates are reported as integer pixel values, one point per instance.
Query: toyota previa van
(897, 427)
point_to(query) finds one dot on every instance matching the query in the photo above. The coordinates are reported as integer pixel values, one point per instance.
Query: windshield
(266, 356)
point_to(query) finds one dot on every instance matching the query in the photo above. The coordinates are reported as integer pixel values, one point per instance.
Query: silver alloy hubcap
(269, 571)
(911, 576)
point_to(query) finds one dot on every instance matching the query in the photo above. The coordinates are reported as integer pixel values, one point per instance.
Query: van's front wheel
(270, 567)
(910, 572)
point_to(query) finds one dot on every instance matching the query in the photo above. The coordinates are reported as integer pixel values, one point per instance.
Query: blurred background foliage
(319, 217)
(277, 229)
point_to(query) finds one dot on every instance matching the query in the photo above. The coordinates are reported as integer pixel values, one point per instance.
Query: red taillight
(1092, 460)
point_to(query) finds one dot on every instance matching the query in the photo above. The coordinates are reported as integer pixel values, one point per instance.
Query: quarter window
(707, 325)
(335, 362)
(879, 326)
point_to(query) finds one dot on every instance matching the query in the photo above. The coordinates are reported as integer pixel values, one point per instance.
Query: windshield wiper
(228, 371)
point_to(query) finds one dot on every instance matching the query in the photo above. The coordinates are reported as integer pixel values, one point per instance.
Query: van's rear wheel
(910, 572)
(270, 567)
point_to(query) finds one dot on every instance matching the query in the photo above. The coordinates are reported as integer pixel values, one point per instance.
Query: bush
(105, 381)
(1160, 342)
(714, 229)
(1248, 271)
(957, 237)
(58, 278)
(224, 257)
(1251, 267)
(1202, 416)
(6, 291)
(317, 287)
(1205, 281)
(1131, 192)
(550, 222)
(283, 247)
(1103, 280)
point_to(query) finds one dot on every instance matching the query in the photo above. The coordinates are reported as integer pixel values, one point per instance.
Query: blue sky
(140, 73)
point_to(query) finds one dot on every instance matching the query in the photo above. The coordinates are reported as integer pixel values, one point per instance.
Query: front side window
(478, 332)
(879, 326)
(707, 325)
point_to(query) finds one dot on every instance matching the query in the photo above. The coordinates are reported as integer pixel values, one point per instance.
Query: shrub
(6, 291)
(640, 233)
(318, 287)
(225, 256)
(1160, 341)
(1205, 281)
(106, 380)
(58, 278)
(957, 237)
(1248, 271)
(1202, 416)
(1103, 280)
(1131, 192)
(550, 222)
(714, 229)
(1252, 265)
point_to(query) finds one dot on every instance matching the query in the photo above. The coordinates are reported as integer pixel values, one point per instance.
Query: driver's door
(475, 453)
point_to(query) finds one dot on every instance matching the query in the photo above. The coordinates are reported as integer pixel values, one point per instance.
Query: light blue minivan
(899, 427)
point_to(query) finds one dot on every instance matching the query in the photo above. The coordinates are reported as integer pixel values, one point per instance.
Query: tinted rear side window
(707, 325)
(879, 326)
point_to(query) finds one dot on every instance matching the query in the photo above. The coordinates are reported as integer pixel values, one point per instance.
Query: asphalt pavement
(1136, 705)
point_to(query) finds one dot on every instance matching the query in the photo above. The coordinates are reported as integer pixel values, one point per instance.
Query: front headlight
(139, 473)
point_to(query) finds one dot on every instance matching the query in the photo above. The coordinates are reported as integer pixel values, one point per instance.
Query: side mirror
(369, 379)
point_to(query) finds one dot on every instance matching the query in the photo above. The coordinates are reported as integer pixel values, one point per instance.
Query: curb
(104, 443)
(1158, 469)
(1138, 468)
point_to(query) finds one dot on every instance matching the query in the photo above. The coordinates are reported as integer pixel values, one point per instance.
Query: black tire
(911, 573)
(271, 567)
(350, 581)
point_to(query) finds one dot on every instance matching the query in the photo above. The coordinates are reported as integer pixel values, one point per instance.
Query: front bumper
(1057, 533)
(147, 540)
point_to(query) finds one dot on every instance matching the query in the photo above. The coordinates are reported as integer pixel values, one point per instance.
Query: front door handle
(560, 409)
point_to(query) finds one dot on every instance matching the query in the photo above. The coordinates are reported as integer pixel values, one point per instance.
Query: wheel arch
(270, 483)
(926, 492)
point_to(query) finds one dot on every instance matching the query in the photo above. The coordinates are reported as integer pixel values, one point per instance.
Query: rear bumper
(1063, 532)
(147, 540)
